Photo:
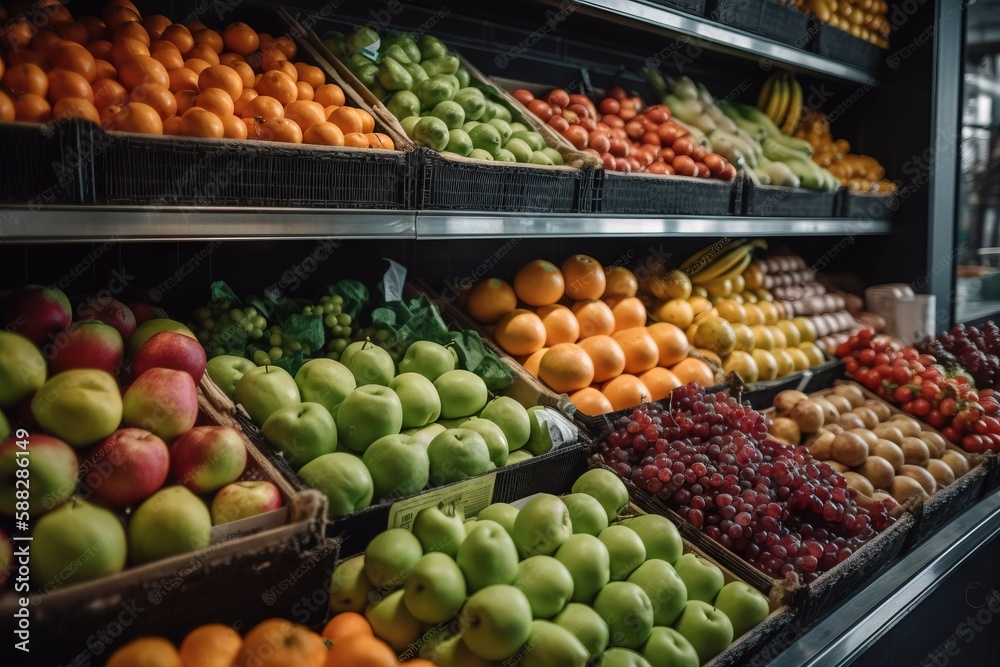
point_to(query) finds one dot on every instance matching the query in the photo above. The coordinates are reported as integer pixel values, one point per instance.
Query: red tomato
(682, 146)
(658, 113)
(523, 96)
(728, 173)
(634, 129)
(669, 132)
(577, 136)
(617, 93)
(599, 141)
(684, 165)
(610, 105)
(626, 114)
(540, 109)
(579, 109)
(635, 102)
(588, 123)
(558, 123)
(651, 139)
(557, 98)
(585, 102)
(619, 133)
(619, 147)
(612, 120)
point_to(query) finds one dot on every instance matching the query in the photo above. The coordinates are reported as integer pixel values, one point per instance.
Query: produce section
(667, 441)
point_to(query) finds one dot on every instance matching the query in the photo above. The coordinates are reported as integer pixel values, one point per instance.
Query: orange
(418, 662)
(6, 107)
(108, 92)
(329, 94)
(210, 38)
(105, 70)
(146, 652)
(72, 57)
(132, 30)
(607, 356)
(629, 312)
(263, 106)
(221, 76)
(240, 38)
(183, 79)
(195, 26)
(561, 325)
(533, 360)
(356, 140)
(246, 74)
(63, 83)
(125, 49)
(489, 300)
(619, 281)
(306, 92)
(197, 65)
(244, 99)
(32, 108)
(277, 129)
(172, 126)
(520, 332)
(280, 643)
(215, 100)
(234, 128)
(584, 277)
(346, 625)
(116, 15)
(671, 342)
(157, 97)
(361, 651)
(286, 46)
(155, 24)
(625, 391)
(347, 119)
(95, 28)
(539, 283)
(168, 55)
(26, 78)
(591, 401)
(367, 121)
(45, 40)
(142, 69)
(268, 55)
(230, 58)
(323, 134)
(69, 107)
(72, 31)
(199, 122)
(26, 56)
(641, 352)
(185, 100)
(660, 383)
(566, 367)
(280, 86)
(212, 645)
(384, 140)
(134, 117)
(100, 48)
(179, 36)
(595, 317)
(283, 66)
(305, 113)
(204, 52)
(694, 370)
(311, 74)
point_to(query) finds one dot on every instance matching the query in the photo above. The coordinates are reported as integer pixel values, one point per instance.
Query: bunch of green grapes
(337, 323)
(220, 320)
(382, 337)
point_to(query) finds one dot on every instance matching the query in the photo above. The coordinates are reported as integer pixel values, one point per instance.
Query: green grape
(236, 314)
(209, 324)
(343, 319)
(333, 355)
(276, 339)
(275, 353)
(246, 325)
(330, 321)
(202, 313)
(217, 351)
(256, 333)
(250, 312)
(261, 358)
(223, 319)
(382, 336)
(296, 346)
(307, 310)
(338, 345)
(324, 300)
(259, 323)
(204, 336)
(345, 331)
(337, 299)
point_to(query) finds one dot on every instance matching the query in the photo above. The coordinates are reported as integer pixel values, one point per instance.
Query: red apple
(128, 467)
(206, 458)
(89, 344)
(143, 312)
(53, 468)
(112, 312)
(163, 401)
(171, 350)
(37, 312)
(242, 500)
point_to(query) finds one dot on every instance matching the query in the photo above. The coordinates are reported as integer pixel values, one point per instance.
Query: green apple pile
(364, 429)
(559, 581)
(437, 104)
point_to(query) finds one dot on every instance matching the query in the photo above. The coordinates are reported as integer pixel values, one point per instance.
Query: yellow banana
(707, 255)
(786, 96)
(765, 93)
(794, 110)
(774, 100)
(739, 268)
(723, 265)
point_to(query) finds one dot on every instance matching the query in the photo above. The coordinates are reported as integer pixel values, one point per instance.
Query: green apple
(660, 536)
(546, 583)
(622, 657)
(264, 390)
(79, 406)
(419, 399)
(469, 526)
(519, 456)
(349, 587)
(511, 417)
(462, 393)
(171, 521)
(588, 563)
(746, 607)
(425, 434)
(301, 433)
(487, 556)
(586, 625)
(392, 622)
(496, 621)
(453, 423)
(326, 382)
(428, 359)
(457, 454)
(435, 589)
(76, 542)
(625, 548)
(399, 467)
(390, 557)
(539, 436)
(586, 514)
(368, 413)
(369, 363)
(702, 578)
(542, 525)
(493, 435)
(343, 479)
(667, 648)
(502, 513)
(226, 370)
(606, 487)
(54, 469)
(150, 328)
(440, 528)
(666, 590)
(626, 609)
(706, 628)
(452, 652)
(551, 645)
(22, 368)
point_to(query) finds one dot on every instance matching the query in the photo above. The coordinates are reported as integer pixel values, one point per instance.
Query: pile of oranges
(581, 330)
(153, 76)
(346, 640)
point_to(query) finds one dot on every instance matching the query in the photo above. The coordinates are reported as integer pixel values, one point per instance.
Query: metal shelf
(726, 39)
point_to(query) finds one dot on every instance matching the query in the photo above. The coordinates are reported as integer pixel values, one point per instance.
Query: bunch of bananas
(781, 100)
(720, 262)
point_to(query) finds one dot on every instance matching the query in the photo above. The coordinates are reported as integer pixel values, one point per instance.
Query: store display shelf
(727, 39)
(849, 630)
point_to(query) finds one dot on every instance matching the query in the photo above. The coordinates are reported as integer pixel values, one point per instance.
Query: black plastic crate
(667, 195)
(773, 201)
(45, 164)
(776, 20)
(949, 502)
(835, 43)
(868, 206)
(696, 7)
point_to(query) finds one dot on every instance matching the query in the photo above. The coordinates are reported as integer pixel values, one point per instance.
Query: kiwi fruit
(957, 462)
(852, 393)
(888, 432)
(921, 475)
(808, 415)
(903, 488)
(889, 451)
(881, 410)
(915, 451)
(859, 483)
(850, 449)
(942, 472)
(878, 471)
(786, 400)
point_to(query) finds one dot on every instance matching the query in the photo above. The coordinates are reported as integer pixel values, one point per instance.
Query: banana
(776, 150)
(729, 269)
(708, 254)
(774, 101)
(794, 110)
(765, 92)
(722, 263)
(786, 97)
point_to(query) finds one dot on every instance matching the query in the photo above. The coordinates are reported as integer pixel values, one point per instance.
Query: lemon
(676, 311)
(717, 335)
(785, 363)
(742, 363)
(732, 311)
(745, 339)
(767, 365)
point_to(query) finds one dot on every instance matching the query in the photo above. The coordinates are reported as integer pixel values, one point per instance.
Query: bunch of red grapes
(710, 458)
(919, 386)
(976, 349)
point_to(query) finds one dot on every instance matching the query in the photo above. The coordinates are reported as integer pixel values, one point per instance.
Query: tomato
(523, 96)
(558, 98)
(577, 136)
(599, 141)
(610, 105)
(903, 394)
(973, 443)
(610, 163)
(948, 407)
(867, 357)
(952, 433)
(980, 427)
(658, 113)
(909, 353)
(634, 129)
(651, 139)
(851, 365)
(921, 407)
(617, 93)
(936, 419)
(558, 123)
(580, 110)
(929, 390)
(843, 350)
(541, 109)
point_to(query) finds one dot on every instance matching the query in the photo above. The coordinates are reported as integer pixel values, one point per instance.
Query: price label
(470, 496)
